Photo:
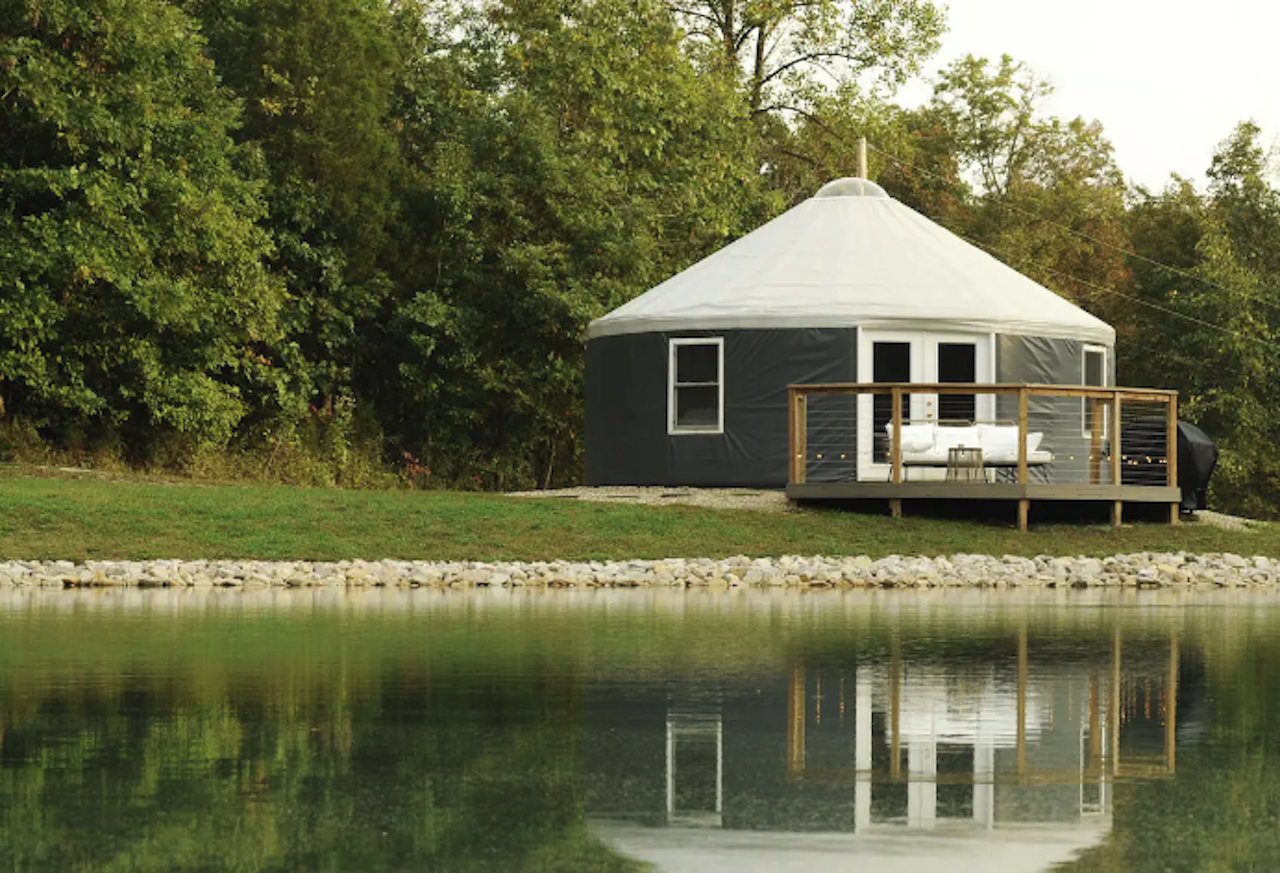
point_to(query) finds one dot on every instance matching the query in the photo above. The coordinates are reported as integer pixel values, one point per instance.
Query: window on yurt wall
(695, 379)
(1093, 375)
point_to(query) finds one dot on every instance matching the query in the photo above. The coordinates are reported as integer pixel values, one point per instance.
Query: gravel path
(750, 498)
(716, 498)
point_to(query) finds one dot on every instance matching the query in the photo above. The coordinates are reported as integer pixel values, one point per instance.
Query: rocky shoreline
(1140, 570)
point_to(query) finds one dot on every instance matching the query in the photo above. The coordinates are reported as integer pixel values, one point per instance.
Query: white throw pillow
(915, 437)
(956, 437)
(998, 440)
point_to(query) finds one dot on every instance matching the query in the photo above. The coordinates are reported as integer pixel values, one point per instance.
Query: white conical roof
(852, 255)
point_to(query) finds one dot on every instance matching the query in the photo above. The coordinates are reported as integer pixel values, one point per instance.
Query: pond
(630, 730)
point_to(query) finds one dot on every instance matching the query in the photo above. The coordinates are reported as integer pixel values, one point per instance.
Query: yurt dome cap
(850, 256)
(851, 186)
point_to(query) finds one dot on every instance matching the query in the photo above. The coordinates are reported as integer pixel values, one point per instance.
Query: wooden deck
(1103, 470)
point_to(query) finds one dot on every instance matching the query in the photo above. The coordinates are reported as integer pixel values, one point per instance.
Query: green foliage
(786, 49)
(1215, 336)
(133, 289)
(296, 759)
(1047, 197)
(316, 79)
(297, 240)
(566, 159)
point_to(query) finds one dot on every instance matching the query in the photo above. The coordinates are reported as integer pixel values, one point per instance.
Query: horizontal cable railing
(1017, 433)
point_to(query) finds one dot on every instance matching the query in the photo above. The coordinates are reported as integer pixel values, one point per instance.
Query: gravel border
(1139, 570)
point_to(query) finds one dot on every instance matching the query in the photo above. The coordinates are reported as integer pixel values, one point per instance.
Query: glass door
(900, 356)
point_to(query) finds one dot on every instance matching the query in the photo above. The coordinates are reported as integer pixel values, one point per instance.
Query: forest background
(355, 242)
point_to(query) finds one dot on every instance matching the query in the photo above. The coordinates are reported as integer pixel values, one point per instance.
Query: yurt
(687, 383)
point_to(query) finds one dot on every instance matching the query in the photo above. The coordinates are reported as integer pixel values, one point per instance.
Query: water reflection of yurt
(1013, 756)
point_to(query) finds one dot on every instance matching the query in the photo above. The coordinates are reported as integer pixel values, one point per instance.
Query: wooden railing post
(1022, 435)
(791, 433)
(1095, 441)
(800, 448)
(1117, 439)
(896, 458)
(1117, 507)
(1024, 505)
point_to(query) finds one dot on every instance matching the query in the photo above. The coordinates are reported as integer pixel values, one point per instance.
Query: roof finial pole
(862, 157)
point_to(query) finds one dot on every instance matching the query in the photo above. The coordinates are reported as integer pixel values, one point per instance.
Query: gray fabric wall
(1050, 362)
(626, 410)
(626, 413)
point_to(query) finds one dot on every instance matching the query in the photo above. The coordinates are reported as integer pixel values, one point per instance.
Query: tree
(784, 47)
(1232, 351)
(1048, 196)
(317, 78)
(134, 300)
(1166, 230)
(568, 156)
(1207, 312)
(910, 155)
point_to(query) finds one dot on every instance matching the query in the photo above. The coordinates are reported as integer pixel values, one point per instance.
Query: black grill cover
(1197, 456)
(1142, 450)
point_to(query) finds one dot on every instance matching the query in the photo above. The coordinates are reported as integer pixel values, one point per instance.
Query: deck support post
(1024, 510)
(1117, 513)
(895, 507)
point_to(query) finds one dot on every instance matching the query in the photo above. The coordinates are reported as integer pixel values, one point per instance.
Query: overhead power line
(1179, 271)
(1008, 257)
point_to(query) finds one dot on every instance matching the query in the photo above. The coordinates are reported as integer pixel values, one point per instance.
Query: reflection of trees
(286, 768)
(454, 740)
(1223, 810)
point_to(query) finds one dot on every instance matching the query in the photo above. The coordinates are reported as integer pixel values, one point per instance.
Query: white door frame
(924, 368)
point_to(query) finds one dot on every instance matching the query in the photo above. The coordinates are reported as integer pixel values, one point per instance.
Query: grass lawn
(90, 517)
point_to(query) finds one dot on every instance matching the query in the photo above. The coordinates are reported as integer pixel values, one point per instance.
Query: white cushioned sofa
(927, 444)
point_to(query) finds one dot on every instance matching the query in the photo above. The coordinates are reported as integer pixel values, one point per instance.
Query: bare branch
(811, 57)
(787, 107)
(695, 13)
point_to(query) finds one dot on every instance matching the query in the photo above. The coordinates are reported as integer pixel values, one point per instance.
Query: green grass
(79, 518)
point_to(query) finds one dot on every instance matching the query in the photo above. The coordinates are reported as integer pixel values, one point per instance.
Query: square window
(695, 381)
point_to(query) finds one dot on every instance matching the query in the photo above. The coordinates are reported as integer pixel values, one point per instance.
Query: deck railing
(853, 432)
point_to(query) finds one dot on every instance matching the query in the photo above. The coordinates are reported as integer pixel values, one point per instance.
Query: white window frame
(672, 386)
(1085, 429)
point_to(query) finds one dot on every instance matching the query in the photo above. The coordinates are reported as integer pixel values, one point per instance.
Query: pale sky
(1168, 79)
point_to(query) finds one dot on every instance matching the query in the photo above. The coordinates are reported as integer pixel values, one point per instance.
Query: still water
(621, 731)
